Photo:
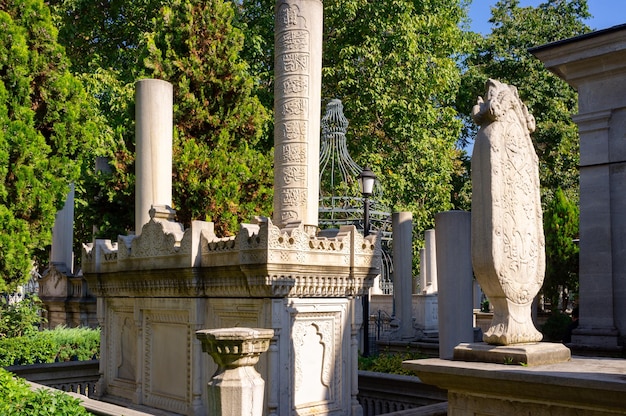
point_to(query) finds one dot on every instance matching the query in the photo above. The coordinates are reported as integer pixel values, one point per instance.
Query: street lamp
(367, 178)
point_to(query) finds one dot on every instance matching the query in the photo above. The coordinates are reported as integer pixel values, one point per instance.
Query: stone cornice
(260, 261)
(586, 57)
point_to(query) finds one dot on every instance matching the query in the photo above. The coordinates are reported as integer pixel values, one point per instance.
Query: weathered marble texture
(508, 245)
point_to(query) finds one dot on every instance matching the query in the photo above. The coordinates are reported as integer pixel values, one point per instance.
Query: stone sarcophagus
(156, 290)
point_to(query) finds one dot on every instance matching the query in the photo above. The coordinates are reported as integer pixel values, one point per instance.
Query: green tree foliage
(106, 195)
(393, 64)
(503, 55)
(222, 163)
(256, 19)
(102, 40)
(49, 125)
(222, 170)
(105, 34)
(560, 220)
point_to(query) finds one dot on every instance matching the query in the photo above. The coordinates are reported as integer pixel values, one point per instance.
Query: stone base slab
(539, 353)
(581, 387)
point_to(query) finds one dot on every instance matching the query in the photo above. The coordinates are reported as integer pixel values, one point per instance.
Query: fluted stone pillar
(297, 97)
(454, 266)
(236, 388)
(153, 136)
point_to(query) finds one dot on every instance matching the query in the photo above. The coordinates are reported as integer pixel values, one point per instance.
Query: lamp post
(367, 178)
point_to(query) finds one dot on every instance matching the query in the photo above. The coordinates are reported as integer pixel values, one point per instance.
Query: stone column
(422, 288)
(153, 136)
(402, 223)
(297, 97)
(430, 257)
(454, 266)
(598, 202)
(61, 254)
(236, 389)
(595, 66)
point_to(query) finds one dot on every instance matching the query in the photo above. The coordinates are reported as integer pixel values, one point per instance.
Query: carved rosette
(508, 246)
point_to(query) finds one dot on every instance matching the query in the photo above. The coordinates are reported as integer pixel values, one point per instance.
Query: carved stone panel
(120, 335)
(320, 348)
(167, 360)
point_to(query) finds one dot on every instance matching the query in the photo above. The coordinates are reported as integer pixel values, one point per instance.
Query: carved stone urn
(508, 245)
(236, 388)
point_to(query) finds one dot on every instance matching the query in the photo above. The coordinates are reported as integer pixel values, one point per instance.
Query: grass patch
(389, 362)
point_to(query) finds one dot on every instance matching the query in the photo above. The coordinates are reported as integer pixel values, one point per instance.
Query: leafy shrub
(59, 344)
(16, 398)
(19, 318)
(556, 326)
(78, 344)
(388, 362)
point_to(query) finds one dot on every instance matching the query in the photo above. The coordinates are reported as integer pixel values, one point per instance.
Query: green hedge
(48, 346)
(16, 398)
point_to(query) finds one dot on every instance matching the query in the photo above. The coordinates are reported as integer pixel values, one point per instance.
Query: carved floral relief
(508, 245)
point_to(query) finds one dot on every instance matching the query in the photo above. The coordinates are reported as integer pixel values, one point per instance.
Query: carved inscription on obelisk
(298, 41)
(508, 246)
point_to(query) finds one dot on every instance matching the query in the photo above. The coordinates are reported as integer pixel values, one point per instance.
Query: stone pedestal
(522, 354)
(583, 387)
(236, 389)
(426, 313)
(67, 299)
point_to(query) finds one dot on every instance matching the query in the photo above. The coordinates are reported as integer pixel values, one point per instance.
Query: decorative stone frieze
(260, 261)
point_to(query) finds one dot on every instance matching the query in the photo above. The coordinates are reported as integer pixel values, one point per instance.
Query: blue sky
(606, 13)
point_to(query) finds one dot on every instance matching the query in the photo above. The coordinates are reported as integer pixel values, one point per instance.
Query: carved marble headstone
(508, 245)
